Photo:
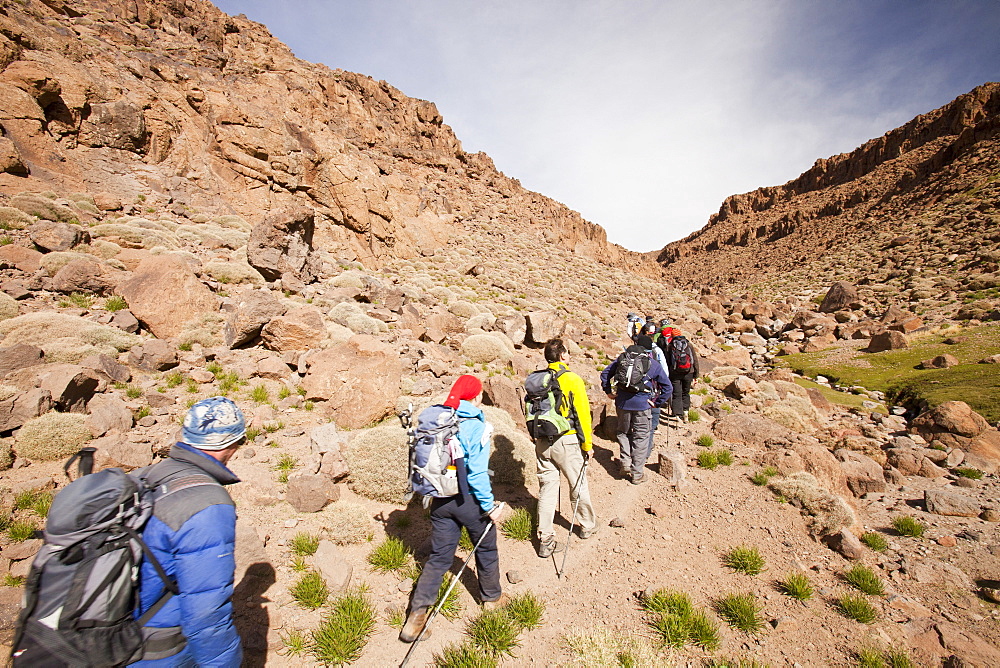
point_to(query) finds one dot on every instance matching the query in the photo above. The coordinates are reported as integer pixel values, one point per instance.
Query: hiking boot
(584, 534)
(415, 623)
(625, 469)
(638, 479)
(496, 603)
(548, 546)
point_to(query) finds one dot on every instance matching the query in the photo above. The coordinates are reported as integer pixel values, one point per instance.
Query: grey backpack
(82, 589)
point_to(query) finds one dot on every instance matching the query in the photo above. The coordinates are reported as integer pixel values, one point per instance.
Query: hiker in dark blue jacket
(635, 409)
(193, 535)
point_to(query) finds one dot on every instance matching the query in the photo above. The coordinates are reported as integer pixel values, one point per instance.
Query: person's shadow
(251, 618)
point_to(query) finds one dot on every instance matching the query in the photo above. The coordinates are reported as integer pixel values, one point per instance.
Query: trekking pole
(444, 598)
(576, 507)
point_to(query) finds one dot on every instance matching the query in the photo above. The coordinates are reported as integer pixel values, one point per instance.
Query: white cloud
(645, 115)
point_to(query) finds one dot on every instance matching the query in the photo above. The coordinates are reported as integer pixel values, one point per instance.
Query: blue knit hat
(213, 424)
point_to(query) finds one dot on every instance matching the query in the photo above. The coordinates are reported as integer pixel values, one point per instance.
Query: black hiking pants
(680, 402)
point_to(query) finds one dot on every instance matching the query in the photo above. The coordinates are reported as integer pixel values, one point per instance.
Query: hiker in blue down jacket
(473, 507)
(635, 410)
(193, 534)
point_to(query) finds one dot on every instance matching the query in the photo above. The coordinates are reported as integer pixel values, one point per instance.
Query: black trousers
(680, 402)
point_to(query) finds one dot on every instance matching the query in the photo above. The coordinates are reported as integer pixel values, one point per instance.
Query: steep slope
(923, 196)
(166, 102)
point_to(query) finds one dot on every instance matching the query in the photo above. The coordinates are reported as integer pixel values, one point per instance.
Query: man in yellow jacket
(565, 454)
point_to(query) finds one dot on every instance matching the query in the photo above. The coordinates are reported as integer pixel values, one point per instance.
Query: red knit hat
(465, 387)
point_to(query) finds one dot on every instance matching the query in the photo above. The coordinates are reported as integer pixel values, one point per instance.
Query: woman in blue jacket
(473, 507)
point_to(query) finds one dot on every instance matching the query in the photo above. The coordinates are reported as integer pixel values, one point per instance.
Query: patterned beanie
(213, 424)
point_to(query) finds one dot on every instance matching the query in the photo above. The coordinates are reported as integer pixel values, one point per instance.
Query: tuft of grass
(77, 300)
(864, 579)
(310, 591)
(770, 471)
(465, 541)
(724, 456)
(12, 580)
(36, 500)
(299, 564)
(21, 530)
(285, 463)
(192, 385)
(760, 479)
(304, 544)
(493, 632)
(693, 415)
(677, 622)
(798, 586)
(518, 525)
(284, 392)
(133, 391)
(857, 607)
(668, 602)
(174, 379)
(344, 632)
(703, 631)
(185, 346)
(252, 434)
(115, 303)
(295, 642)
(525, 611)
(969, 472)
(396, 617)
(741, 611)
(464, 655)
(899, 658)
(452, 607)
(308, 405)
(259, 394)
(390, 555)
(708, 459)
(908, 526)
(705, 441)
(214, 368)
(869, 657)
(745, 560)
(875, 541)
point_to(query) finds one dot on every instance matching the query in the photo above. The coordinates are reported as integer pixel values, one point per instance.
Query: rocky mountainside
(173, 103)
(914, 215)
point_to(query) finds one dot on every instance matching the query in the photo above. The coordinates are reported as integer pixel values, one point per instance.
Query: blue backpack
(435, 453)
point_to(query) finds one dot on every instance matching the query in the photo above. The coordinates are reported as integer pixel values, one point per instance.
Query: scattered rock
(252, 310)
(333, 566)
(941, 502)
(309, 493)
(282, 244)
(672, 466)
(847, 544)
(52, 236)
(153, 355)
(514, 577)
(889, 340)
(164, 294)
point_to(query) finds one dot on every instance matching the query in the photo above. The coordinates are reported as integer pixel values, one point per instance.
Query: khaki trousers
(562, 455)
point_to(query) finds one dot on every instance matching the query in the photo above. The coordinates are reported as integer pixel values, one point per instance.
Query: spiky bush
(741, 611)
(42, 327)
(378, 461)
(13, 219)
(493, 632)
(875, 541)
(600, 648)
(390, 555)
(969, 472)
(864, 579)
(677, 622)
(310, 590)
(519, 525)
(745, 560)
(52, 436)
(798, 586)
(8, 307)
(525, 610)
(708, 459)
(705, 441)
(908, 526)
(304, 544)
(857, 607)
(464, 655)
(344, 632)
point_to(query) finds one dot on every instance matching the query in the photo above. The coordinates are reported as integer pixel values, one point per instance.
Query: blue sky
(644, 115)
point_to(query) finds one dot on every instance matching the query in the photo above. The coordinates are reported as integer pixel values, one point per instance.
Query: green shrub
(760, 479)
(708, 459)
(465, 541)
(21, 530)
(725, 457)
(875, 541)
(744, 560)
(299, 564)
(38, 501)
(115, 303)
(464, 655)
(677, 622)
(174, 379)
(798, 586)
(908, 526)
(493, 632)
(304, 544)
(52, 436)
(519, 526)
(295, 642)
(347, 523)
(525, 611)
(286, 463)
(741, 611)
(705, 441)
(869, 657)
(770, 471)
(344, 632)
(310, 590)
(259, 394)
(391, 555)
(864, 579)
(77, 300)
(857, 607)
(693, 415)
(968, 472)
(133, 391)
(12, 580)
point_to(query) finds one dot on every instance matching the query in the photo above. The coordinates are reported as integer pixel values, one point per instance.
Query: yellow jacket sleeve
(573, 386)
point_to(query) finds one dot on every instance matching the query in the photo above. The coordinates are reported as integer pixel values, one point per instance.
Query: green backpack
(544, 403)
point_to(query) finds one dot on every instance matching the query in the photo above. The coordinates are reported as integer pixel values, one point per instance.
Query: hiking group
(138, 568)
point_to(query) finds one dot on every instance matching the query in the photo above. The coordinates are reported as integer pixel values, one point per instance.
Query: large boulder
(282, 244)
(301, 328)
(942, 502)
(252, 310)
(27, 260)
(984, 451)
(119, 124)
(85, 275)
(886, 341)
(19, 356)
(153, 355)
(70, 386)
(544, 325)
(750, 429)
(53, 236)
(310, 492)
(500, 391)
(24, 406)
(359, 378)
(738, 357)
(163, 294)
(863, 473)
(842, 295)
(108, 413)
(951, 417)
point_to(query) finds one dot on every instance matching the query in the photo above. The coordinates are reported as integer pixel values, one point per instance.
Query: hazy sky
(644, 115)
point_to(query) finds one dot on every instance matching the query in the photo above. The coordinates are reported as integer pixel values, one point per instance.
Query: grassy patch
(864, 579)
(285, 463)
(724, 456)
(295, 642)
(760, 478)
(894, 372)
(836, 396)
(12, 580)
(969, 472)
(525, 611)
(115, 303)
(390, 555)
(310, 591)
(304, 544)
(494, 632)
(798, 586)
(705, 441)
(858, 608)
(677, 622)
(744, 560)
(343, 634)
(464, 655)
(693, 415)
(708, 459)
(908, 526)
(465, 541)
(259, 394)
(38, 501)
(741, 611)
(875, 541)
(519, 525)
(21, 530)
(452, 607)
